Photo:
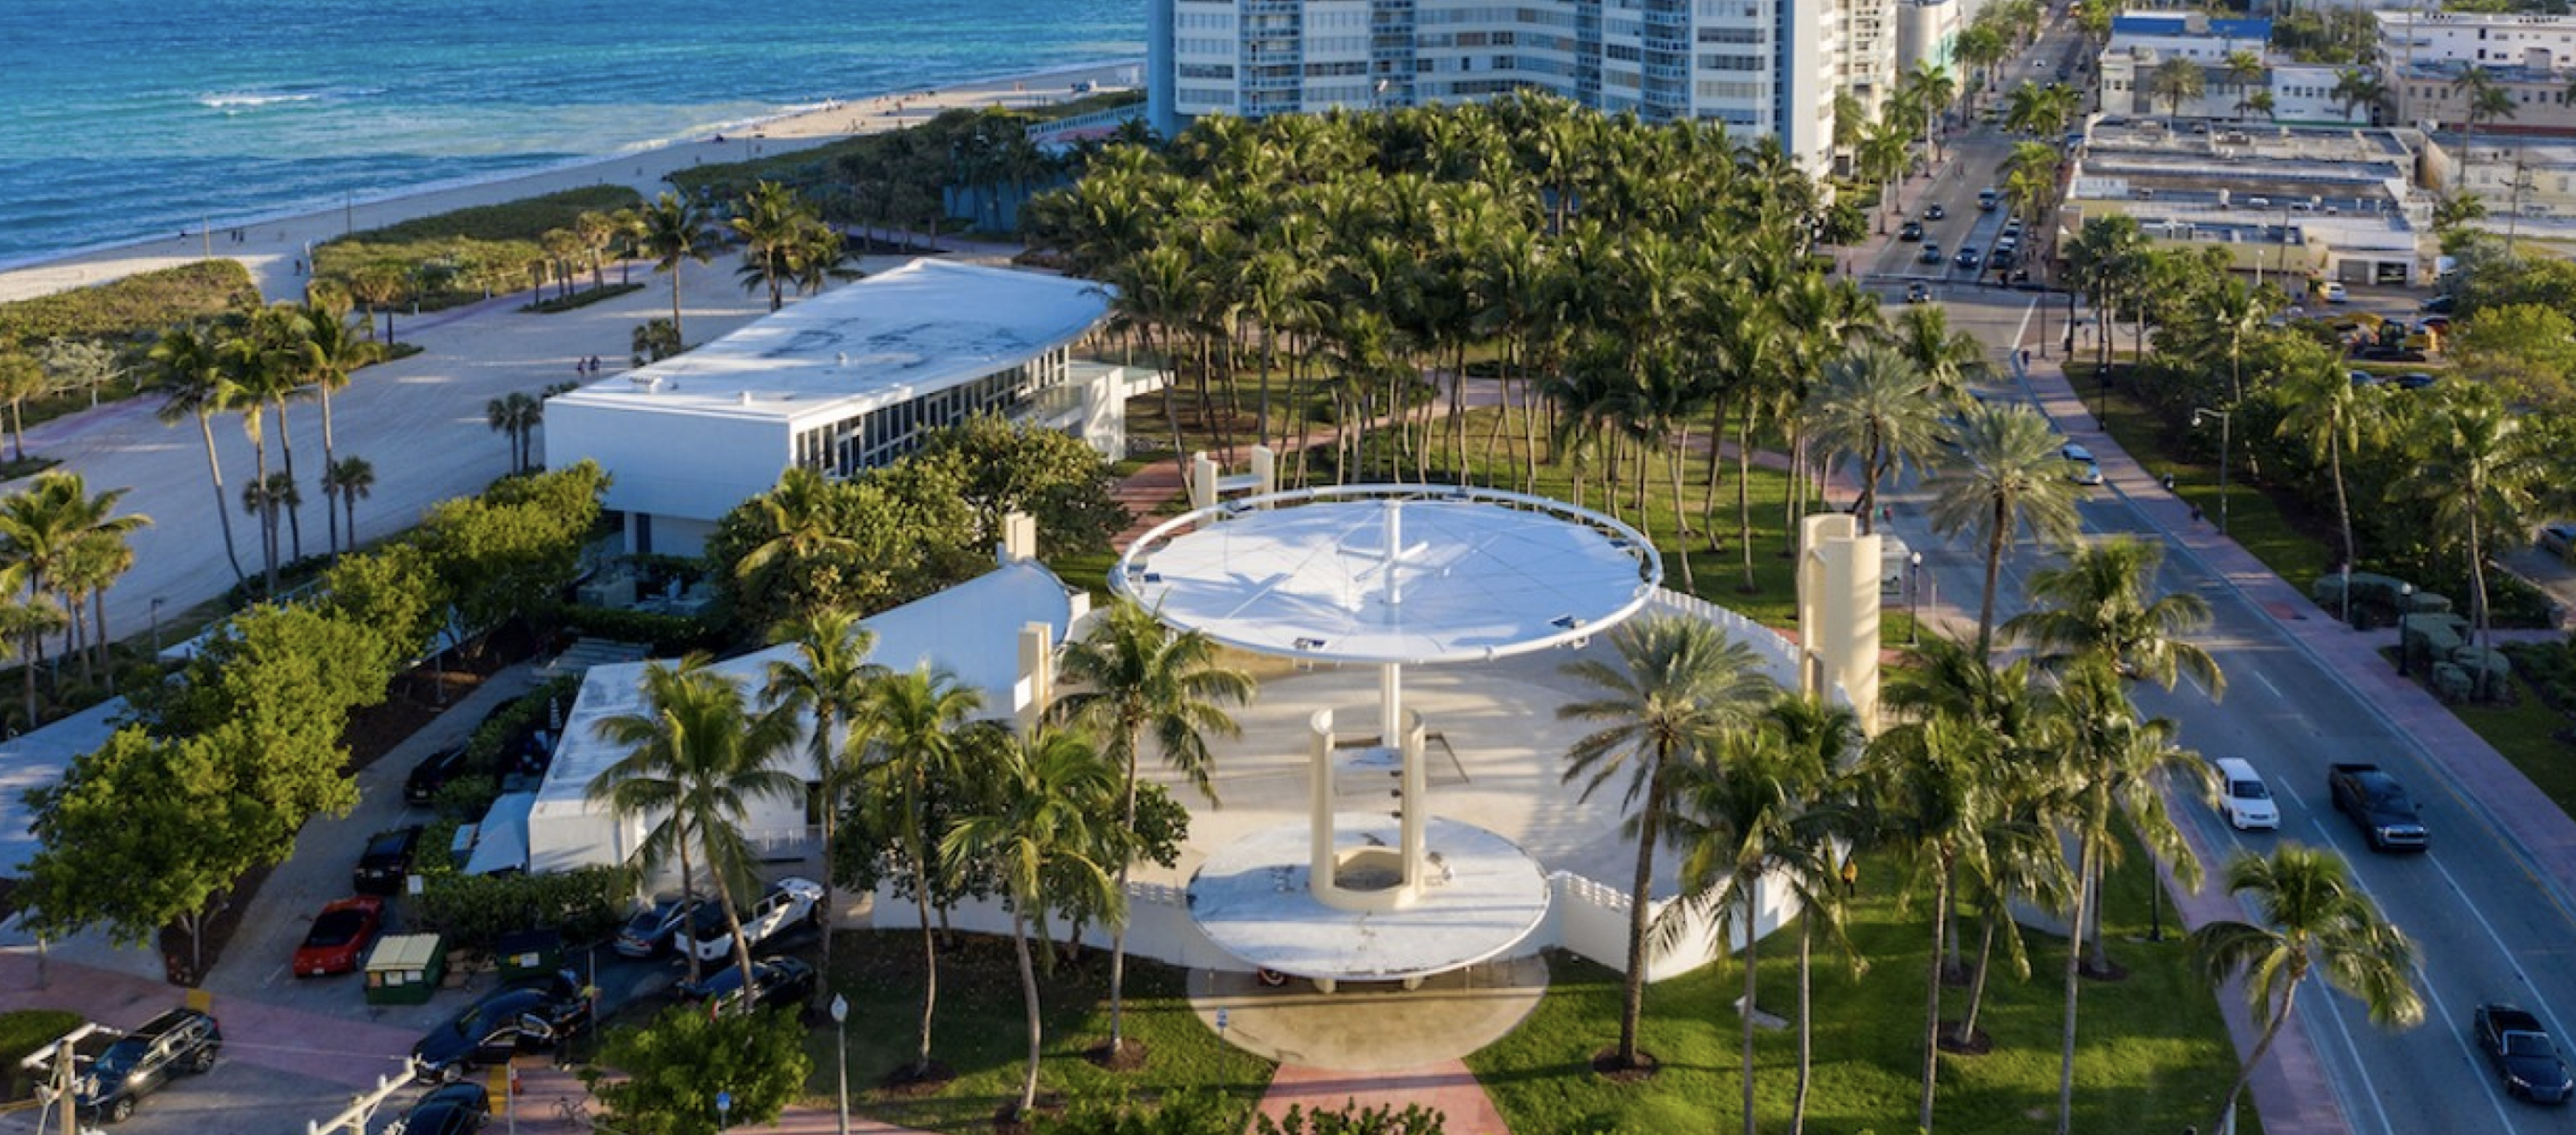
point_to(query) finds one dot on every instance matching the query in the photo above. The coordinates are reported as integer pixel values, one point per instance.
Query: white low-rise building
(841, 383)
(996, 633)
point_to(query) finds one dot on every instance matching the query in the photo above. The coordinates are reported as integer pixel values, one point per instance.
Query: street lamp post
(1914, 599)
(841, 1044)
(2225, 424)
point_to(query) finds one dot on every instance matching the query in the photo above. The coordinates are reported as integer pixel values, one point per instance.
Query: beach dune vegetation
(135, 308)
(471, 254)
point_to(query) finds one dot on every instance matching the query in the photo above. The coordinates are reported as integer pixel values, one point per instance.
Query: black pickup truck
(2379, 804)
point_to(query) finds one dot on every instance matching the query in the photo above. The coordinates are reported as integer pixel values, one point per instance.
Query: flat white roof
(1478, 574)
(972, 630)
(917, 329)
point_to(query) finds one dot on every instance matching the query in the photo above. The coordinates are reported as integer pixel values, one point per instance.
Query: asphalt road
(2486, 924)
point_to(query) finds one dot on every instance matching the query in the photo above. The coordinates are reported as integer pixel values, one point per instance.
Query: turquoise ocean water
(130, 119)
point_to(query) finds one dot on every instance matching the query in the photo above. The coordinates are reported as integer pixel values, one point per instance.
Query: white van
(2243, 798)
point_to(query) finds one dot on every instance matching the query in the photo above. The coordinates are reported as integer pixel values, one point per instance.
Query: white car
(2243, 797)
(2086, 472)
(787, 902)
(2334, 292)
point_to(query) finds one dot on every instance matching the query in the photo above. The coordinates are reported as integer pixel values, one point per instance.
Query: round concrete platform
(1253, 899)
(1371, 1027)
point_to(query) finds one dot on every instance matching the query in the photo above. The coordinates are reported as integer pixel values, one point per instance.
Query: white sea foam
(248, 100)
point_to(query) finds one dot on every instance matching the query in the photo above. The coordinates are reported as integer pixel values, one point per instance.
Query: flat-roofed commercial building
(2425, 56)
(843, 382)
(1762, 67)
(2336, 204)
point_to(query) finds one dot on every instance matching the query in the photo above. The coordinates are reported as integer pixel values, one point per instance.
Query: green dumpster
(529, 953)
(404, 969)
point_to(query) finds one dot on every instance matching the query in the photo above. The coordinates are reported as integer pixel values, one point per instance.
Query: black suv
(387, 859)
(179, 1041)
(775, 982)
(420, 789)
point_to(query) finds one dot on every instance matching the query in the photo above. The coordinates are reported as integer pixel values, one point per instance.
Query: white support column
(1202, 481)
(1321, 856)
(1265, 469)
(1417, 808)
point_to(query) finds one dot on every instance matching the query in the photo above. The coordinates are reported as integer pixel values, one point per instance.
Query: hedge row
(134, 308)
(526, 220)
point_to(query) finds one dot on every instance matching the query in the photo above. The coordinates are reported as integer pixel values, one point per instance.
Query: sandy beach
(272, 249)
(419, 421)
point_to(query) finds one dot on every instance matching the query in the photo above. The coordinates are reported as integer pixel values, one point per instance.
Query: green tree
(2331, 416)
(1926, 782)
(772, 222)
(2479, 470)
(2526, 351)
(42, 531)
(2357, 87)
(826, 676)
(507, 554)
(1949, 360)
(2009, 477)
(2244, 67)
(1877, 406)
(674, 230)
(2101, 604)
(912, 724)
(347, 481)
(1679, 684)
(668, 1073)
(186, 363)
(328, 356)
(2310, 918)
(2485, 100)
(1053, 476)
(697, 755)
(21, 378)
(1035, 820)
(392, 590)
(515, 415)
(1140, 677)
(2176, 80)
(2111, 763)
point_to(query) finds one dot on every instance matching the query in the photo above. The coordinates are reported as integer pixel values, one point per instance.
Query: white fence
(1585, 916)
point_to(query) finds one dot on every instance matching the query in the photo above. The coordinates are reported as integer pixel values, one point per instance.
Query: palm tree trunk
(1966, 1034)
(286, 448)
(2074, 984)
(675, 307)
(1118, 932)
(1752, 970)
(2343, 503)
(1029, 998)
(331, 458)
(1681, 545)
(1806, 1015)
(1632, 1005)
(929, 973)
(1994, 569)
(2254, 1059)
(223, 508)
(1744, 494)
(689, 887)
(741, 944)
(1932, 994)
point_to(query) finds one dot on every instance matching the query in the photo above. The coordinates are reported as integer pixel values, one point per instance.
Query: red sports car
(340, 936)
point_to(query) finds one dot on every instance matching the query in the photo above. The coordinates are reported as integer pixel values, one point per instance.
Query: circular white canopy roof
(1476, 574)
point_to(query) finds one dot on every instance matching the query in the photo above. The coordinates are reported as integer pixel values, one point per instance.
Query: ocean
(123, 120)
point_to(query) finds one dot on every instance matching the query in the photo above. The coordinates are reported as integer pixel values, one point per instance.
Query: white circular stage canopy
(1391, 573)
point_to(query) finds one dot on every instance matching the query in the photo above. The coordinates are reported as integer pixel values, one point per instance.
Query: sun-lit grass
(2527, 732)
(981, 1032)
(2152, 1053)
(2266, 523)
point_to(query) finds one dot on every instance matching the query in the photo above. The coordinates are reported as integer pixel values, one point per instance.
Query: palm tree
(697, 757)
(44, 532)
(329, 356)
(828, 676)
(771, 220)
(2479, 470)
(1144, 677)
(675, 230)
(1949, 360)
(2327, 411)
(2097, 605)
(2486, 100)
(2242, 67)
(1680, 683)
(2312, 918)
(186, 363)
(800, 517)
(1876, 405)
(268, 367)
(21, 378)
(349, 480)
(1741, 816)
(911, 723)
(516, 414)
(1035, 822)
(1927, 784)
(2009, 478)
(2355, 86)
(378, 286)
(2176, 80)
(2111, 762)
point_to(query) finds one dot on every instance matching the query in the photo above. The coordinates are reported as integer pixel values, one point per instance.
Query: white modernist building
(840, 383)
(995, 632)
(1762, 67)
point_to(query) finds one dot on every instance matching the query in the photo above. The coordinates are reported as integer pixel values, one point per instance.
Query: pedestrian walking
(1851, 877)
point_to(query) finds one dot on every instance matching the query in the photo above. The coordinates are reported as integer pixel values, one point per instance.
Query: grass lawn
(2525, 732)
(2276, 530)
(2153, 1055)
(981, 1031)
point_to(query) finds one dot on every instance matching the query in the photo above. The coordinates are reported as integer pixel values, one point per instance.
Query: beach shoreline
(276, 248)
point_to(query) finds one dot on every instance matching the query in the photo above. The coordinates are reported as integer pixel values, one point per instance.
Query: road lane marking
(2557, 1028)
